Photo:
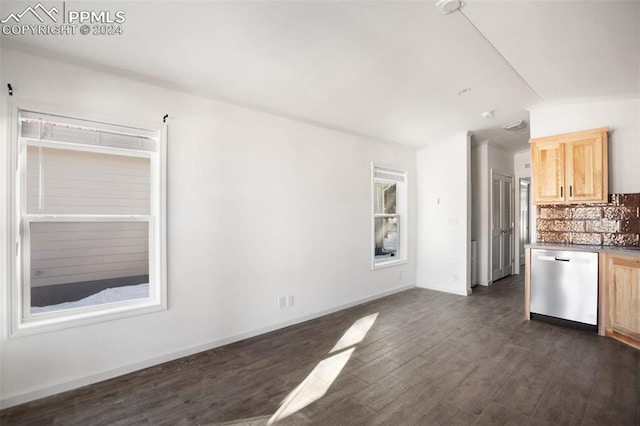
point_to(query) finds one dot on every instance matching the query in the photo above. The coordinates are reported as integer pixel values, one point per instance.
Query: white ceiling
(389, 70)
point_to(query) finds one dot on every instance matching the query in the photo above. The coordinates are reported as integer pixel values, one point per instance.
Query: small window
(389, 216)
(89, 216)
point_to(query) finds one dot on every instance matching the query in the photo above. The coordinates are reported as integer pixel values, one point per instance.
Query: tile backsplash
(616, 223)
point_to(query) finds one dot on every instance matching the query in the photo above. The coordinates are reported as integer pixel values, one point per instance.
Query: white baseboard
(67, 385)
(461, 292)
(485, 283)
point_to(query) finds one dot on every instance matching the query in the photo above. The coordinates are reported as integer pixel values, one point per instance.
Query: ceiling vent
(448, 6)
(516, 125)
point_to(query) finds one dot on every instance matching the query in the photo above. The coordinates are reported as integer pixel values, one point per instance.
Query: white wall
(522, 163)
(487, 157)
(443, 215)
(259, 206)
(622, 116)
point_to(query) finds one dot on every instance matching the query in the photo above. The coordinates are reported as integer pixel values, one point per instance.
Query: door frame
(527, 182)
(493, 172)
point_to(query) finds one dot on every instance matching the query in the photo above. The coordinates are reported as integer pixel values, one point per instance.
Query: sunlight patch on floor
(314, 386)
(317, 383)
(356, 333)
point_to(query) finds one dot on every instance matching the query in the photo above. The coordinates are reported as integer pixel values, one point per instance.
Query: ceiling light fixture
(516, 125)
(487, 114)
(449, 6)
(464, 91)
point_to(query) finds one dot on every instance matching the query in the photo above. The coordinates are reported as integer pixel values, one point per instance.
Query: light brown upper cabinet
(570, 168)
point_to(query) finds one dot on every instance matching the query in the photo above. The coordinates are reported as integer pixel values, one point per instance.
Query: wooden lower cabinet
(623, 299)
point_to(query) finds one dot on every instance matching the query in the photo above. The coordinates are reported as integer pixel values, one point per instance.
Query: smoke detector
(516, 125)
(448, 6)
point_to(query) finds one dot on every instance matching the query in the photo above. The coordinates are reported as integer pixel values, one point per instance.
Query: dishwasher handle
(554, 259)
(560, 258)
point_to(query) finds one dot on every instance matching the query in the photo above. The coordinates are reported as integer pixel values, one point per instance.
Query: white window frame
(401, 212)
(21, 321)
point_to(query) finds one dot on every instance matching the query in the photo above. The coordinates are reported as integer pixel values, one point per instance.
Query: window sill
(83, 316)
(381, 264)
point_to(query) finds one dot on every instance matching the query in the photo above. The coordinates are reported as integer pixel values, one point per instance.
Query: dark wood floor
(429, 358)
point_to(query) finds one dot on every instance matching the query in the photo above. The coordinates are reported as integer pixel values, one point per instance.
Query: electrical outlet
(291, 300)
(282, 302)
(455, 277)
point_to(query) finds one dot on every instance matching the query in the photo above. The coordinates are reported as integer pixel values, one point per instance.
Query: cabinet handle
(570, 190)
(561, 194)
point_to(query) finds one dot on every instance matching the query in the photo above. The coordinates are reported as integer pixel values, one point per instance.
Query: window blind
(389, 175)
(54, 128)
(65, 181)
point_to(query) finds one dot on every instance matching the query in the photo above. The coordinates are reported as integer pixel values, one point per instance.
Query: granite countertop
(631, 251)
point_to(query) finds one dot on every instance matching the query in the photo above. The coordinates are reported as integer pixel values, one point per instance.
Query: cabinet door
(548, 172)
(585, 168)
(624, 298)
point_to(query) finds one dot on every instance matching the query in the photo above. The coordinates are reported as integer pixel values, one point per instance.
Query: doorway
(501, 249)
(525, 223)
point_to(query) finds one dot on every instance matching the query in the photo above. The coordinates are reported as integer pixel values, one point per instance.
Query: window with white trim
(89, 207)
(389, 216)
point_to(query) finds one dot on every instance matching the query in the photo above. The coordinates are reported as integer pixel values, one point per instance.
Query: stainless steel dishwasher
(564, 285)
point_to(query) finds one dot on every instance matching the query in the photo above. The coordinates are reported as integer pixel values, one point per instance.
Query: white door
(501, 226)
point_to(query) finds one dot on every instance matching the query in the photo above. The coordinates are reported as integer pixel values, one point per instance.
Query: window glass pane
(76, 264)
(62, 181)
(385, 198)
(386, 237)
